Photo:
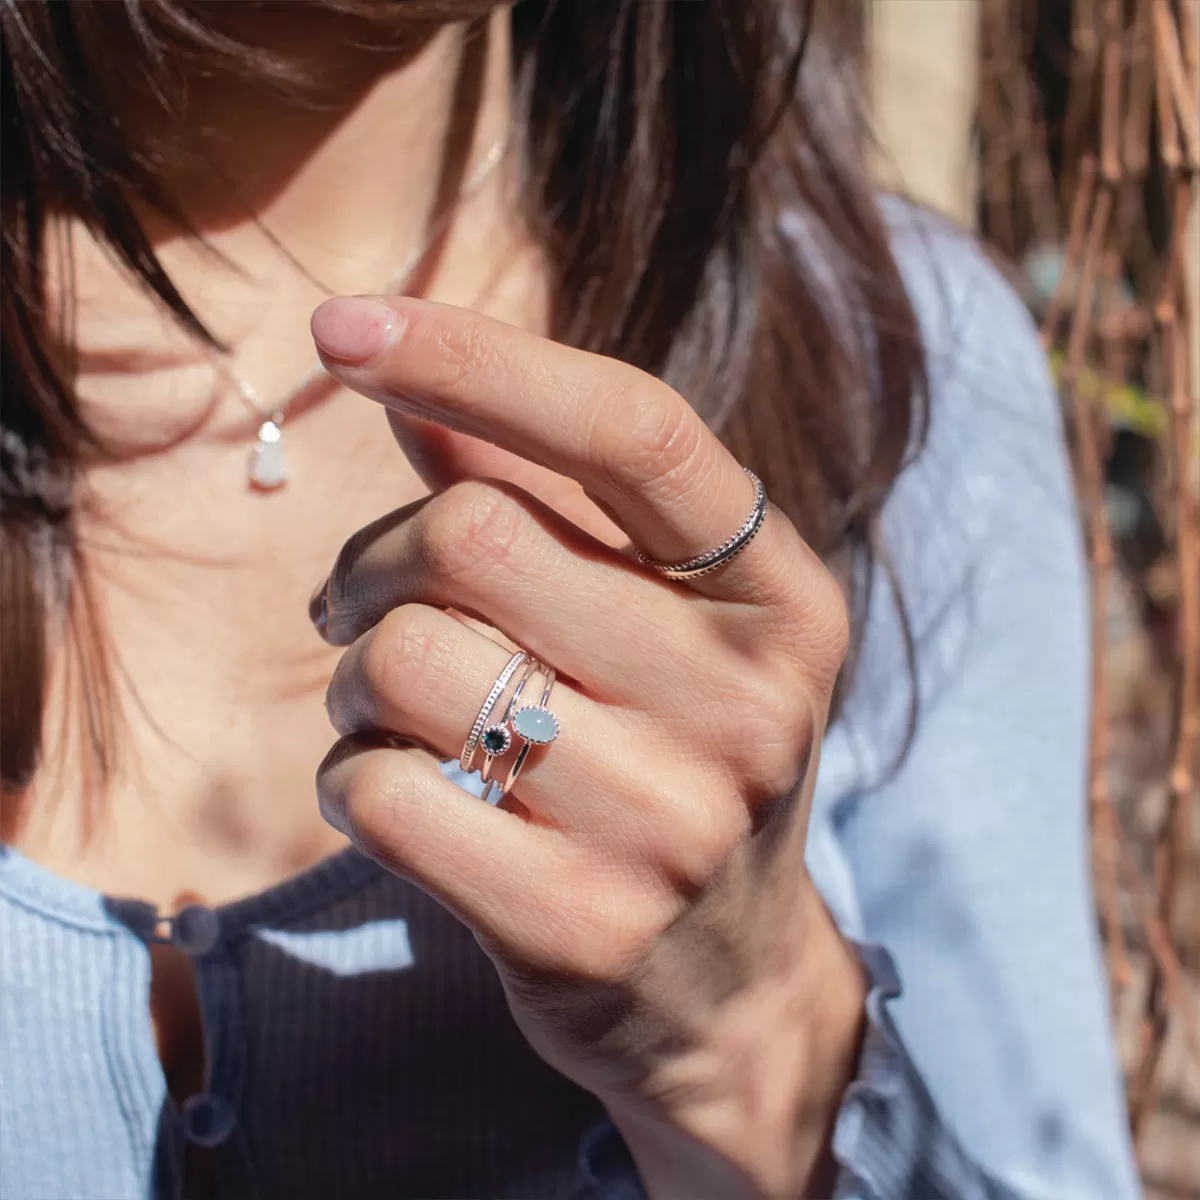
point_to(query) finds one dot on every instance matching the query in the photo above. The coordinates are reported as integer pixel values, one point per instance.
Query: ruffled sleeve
(889, 1141)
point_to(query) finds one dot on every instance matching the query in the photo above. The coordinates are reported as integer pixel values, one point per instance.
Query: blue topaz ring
(718, 556)
(534, 724)
(496, 738)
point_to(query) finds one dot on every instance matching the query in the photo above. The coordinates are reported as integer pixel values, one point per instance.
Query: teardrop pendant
(267, 468)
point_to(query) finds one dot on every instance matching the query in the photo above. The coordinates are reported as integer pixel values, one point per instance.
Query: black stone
(495, 741)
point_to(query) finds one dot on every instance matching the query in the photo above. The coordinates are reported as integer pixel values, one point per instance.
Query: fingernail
(317, 606)
(354, 329)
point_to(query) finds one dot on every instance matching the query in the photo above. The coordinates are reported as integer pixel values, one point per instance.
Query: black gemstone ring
(497, 738)
(534, 724)
(471, 745)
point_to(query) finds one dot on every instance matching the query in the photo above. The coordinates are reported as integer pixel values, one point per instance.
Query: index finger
(634, 443)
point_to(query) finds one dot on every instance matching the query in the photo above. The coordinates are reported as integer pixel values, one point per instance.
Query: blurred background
(1067, 134)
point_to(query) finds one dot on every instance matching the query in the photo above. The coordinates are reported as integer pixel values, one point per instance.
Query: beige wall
(925, 56)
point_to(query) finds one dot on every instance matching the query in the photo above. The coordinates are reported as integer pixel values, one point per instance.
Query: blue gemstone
(496, 740)
(537, 725)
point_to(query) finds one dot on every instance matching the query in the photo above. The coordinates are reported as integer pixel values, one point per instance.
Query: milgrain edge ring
(471, 745)
(718, 556)
(549, 734)
(532, 668)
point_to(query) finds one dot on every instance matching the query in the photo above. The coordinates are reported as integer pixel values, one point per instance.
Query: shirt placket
(211, 1119)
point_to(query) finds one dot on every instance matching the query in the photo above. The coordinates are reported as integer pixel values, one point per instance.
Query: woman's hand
(642, 891)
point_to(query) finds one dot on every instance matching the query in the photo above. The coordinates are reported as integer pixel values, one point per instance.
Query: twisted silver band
(471, 745)
(716, 558)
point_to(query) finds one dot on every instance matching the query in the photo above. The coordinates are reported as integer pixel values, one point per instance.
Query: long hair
(695, 173)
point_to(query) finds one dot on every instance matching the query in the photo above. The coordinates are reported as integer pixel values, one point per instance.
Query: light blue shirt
(359, 1045)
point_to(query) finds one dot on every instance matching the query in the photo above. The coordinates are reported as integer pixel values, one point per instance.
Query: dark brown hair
(696, 173)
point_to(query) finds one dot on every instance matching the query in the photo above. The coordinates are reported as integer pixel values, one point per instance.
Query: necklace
(267, 468)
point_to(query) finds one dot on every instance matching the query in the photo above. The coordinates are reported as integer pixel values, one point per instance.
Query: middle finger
(494, 552)
(635, 445)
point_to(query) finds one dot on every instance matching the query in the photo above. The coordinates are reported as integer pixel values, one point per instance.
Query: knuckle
(777, 768)
(606, 919)
(340, 590)
(776, 732)
(343, 780)
(606, 933)
(473, 527)
(651, 443)
(368, 809)
(828, 621)
(709, 836)
(408, 652)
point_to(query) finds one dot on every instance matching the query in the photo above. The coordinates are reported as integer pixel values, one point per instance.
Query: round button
(195, 929)
(207, 1119)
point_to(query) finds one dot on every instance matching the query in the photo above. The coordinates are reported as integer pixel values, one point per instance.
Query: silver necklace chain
(267, 468)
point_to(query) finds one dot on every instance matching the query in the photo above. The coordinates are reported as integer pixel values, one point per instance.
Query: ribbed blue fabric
(80, 1084)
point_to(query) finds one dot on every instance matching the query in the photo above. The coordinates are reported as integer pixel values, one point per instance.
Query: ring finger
(422, 674)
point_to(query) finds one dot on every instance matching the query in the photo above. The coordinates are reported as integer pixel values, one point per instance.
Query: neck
(346, 166)
(300, 198)
(199, 586)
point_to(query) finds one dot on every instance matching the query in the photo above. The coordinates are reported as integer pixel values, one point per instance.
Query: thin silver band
(716, 558)
(532, 668)
(467, 758)
(519, 761)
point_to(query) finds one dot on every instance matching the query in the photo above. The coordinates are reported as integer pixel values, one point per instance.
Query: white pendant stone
(537, 725)
(268, 463)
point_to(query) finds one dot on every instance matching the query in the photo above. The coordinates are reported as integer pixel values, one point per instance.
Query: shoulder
(995, 435)
(981, 529)
(966, 307)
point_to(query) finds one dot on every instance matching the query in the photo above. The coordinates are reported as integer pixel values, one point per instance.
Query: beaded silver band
(500, 728)
(471, 745)
(545, 718)
(715, 559)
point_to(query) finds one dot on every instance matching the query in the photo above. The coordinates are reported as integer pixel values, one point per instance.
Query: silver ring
(497, 738)
(534, 724)
(716, 558)
(471, 745)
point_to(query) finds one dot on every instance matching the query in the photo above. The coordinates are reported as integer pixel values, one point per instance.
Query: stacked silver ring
(497, 737)
(471, 745)
(534, 724)
(716, 558)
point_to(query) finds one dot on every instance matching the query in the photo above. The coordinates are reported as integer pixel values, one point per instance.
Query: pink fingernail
(353, 330)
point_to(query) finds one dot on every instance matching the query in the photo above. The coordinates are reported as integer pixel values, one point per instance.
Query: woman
(669, 959)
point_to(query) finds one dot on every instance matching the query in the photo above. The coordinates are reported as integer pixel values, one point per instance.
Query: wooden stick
(1091, 472)
(1168, 126)
(1076, 233)
(1172, 312)
(1173, 75)
(1111, 95)
(1164, 954)
(1135, 134)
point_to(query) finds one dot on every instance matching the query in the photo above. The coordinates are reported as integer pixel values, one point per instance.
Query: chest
(357, 1043)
